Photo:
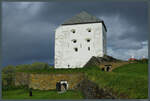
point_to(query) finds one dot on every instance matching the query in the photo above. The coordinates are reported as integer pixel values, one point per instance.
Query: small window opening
(73, 31)
(89, 30)
(88, 40)
(76, 49)
(74, 41)
(88, 48)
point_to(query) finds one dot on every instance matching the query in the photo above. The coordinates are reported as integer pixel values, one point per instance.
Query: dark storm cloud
(28, 28)
(134, 13)
(121, 32)
(25, 39)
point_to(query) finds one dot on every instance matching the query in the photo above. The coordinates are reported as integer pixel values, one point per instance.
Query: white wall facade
(65, 54)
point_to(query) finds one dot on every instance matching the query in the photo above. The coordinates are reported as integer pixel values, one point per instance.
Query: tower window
(74, 40)
(75, 49)
(88, 40)
(88, 29)
(88, 48)
(73, 31)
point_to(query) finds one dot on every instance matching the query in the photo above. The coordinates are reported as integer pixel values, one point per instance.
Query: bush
(37, 66)
(46, 66)
(8, 76)
(23, 67)
(9, 69)
(142, 60)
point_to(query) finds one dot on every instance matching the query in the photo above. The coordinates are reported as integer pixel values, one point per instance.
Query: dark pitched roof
(83, 18)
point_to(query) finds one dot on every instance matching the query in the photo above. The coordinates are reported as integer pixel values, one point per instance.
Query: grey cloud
(25, 40)
(127, 53)
(122, 34)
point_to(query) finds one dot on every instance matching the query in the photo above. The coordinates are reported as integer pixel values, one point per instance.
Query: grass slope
(138, 69)
(129, 81)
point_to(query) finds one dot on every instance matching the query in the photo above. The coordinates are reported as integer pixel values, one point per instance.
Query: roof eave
(87, 23)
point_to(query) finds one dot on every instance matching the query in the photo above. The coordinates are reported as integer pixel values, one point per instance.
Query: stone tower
(78, 39)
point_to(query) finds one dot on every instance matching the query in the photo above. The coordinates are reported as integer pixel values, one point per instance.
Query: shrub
(142, 60)
(46, 66)
(24, 67)
(8, 75)
(36, 66)
(9, 69)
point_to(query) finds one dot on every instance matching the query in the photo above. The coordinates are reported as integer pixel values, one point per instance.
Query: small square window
(88, 48)
(74, 40)
(88, 29)
(73, 31)
(88, 40)
(75, 49)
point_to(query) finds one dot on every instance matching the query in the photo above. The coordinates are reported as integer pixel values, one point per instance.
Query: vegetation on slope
(127, 81)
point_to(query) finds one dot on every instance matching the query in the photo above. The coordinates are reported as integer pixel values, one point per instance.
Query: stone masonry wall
(22, 79)
(47, 81)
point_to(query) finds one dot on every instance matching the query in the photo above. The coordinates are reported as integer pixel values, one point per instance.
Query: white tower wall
(65, 54)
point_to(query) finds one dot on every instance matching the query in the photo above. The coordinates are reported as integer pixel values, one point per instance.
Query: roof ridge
(82, 17)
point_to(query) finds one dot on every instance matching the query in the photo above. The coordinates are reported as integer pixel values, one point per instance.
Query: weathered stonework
(47, 81)
(22, 79)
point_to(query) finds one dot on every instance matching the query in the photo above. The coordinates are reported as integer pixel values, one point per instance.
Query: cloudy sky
(28, 28)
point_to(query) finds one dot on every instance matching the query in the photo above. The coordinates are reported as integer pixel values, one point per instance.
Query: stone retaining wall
(22, 79)
(47, 81)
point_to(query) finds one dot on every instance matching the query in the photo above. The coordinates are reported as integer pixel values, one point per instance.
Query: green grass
(62, 71)
(37, 94)
(138, 69)
(129, 81)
